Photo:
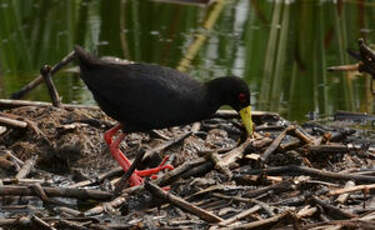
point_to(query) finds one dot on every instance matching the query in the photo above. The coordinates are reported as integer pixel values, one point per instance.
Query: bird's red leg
(112, 131)
(123, 160)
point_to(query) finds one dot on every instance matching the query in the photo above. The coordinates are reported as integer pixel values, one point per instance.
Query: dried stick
(268, 208)
(261, 224)
(72, 225)
(237, 217)
(344, 197)
(276, 142)
(8, 104)
(27, 88)
(42, 223)
(295, 170)
(351, 189)
(27, 167)
(102, 207)
(306, 211)
(306, 138)
(98, 179)
(173, 175)
(332, 209)
(222, 163)
(11, 190)
(12, 122)
(167, 144)
(46, 73)
(181, 203)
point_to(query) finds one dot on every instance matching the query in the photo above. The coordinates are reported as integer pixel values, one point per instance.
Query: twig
(261, 224)
(263, 205)
(295, 170)
(72, 225)
(237, 217)
(27, 167)
(344, 197)
(27, 88)
(173, 175)
(181, 203)
(39, 191)
(98, 179)
(306, 211)
(336, 212)
(276, 143)
(69, 211)
(222, 163)
(12, 122)
(42, 223)
(8, 104)
(102, 207)
(305, 137)
(46, 73)
(351, 189)
(7, 190)
(167, 144)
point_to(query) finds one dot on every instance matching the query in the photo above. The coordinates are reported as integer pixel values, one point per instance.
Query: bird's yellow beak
(245, 114)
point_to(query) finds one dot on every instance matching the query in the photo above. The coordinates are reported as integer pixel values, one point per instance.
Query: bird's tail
(85, 58)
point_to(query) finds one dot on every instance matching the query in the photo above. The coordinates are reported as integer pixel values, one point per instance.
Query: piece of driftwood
(68, 211)
(113, 172)
(275, 144)
(71, 225)
(351, 189)
(173, 175)
(12, 122)
(181, 203)
(118, 201)
(332, 210)
(268, 208)
(27, 88)
(27, 167)
(342, 198)
(12, 190)
(166, 145)
(8, 104)
(42, 223)
(237, 217)
(294, 170)
(46, 74)
(260, 224)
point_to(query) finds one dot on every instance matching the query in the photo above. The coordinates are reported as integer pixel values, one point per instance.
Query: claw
(149, 172)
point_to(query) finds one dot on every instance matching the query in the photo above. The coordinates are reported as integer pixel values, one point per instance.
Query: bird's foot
(151, 172)
(135, 180)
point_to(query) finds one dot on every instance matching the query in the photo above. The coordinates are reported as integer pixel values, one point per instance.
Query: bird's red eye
(242, 97)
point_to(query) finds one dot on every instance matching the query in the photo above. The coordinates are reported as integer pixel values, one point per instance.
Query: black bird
(142, 97)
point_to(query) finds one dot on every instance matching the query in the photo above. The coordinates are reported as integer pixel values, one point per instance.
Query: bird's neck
(214, 94)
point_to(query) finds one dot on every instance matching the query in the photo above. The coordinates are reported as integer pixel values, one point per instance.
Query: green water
(281, 48)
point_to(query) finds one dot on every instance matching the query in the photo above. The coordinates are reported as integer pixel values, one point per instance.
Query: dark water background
(281, 48)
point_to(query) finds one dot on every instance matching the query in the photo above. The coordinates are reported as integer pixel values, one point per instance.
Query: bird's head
(234, 91)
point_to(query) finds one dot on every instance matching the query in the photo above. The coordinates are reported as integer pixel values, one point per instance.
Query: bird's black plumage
(144, 96)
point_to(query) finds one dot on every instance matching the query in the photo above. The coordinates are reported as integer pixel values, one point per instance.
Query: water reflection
(281, 48)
